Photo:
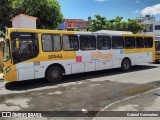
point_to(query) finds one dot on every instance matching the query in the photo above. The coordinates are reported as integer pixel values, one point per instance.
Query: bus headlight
(7, 70)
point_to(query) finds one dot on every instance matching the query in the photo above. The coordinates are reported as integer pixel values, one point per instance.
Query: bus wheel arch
(126, 64)
(54, 73)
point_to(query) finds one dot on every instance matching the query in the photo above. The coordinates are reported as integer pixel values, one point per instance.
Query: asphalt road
(91, 91)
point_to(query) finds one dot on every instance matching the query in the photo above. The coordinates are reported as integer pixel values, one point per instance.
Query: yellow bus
(51, 54)
(157, 47)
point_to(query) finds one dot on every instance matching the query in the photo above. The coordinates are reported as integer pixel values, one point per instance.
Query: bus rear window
(148, 42)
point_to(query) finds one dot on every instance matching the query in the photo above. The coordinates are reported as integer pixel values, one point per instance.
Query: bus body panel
(27, 70)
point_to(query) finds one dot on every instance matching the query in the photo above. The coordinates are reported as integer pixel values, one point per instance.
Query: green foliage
(134, 26)
(77, 29)
(84, 30)
(5, 14)
(47, 11)
(101, 23)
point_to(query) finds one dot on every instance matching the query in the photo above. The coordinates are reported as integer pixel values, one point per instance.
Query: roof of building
(23, 15)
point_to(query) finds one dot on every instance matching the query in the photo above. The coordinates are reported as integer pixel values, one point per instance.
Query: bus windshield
(6, 53)
(24, 46)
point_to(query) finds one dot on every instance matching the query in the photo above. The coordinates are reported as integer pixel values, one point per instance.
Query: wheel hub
(55, 74)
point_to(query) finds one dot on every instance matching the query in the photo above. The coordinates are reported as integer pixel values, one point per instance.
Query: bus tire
(126, 64)
(54, 74)
(157, 62)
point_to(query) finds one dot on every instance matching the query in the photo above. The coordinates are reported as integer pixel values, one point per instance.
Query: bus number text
(54, 56)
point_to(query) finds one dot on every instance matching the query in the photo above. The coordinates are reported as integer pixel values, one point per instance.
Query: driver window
(27, 43)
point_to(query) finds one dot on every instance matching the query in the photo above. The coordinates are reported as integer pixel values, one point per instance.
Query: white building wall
(28, 22)
(156, 32)
(16, 23)
(24, 21)
(150, 28)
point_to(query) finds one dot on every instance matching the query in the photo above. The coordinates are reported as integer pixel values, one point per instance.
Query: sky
(82, 9)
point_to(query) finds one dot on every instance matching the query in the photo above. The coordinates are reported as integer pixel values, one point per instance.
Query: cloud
(151, 10)
(137, 2)
(100, 0)
(136, 11)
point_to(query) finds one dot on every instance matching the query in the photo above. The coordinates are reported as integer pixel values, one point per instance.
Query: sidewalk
(149, 101)
(1, 76)
(2, 83)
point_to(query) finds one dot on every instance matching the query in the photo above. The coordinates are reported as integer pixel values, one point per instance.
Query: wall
(73, 22)
(16, 23)
(152, 26)
(156, 32)
(28, 22)
(24, 21)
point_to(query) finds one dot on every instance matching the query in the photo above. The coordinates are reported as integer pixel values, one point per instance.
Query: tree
(47, 11)
(5, 11)
(101, 23)
(118, 23)
(134, 25)
(98, 23)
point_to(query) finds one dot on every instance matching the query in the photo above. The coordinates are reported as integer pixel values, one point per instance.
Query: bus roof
(112, 32)
(100, 32)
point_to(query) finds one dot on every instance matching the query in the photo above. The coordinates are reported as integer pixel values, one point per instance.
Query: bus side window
(56, 41)
(148, 42)
(117, 42)
(51, 42)
(46, 43)
(129, 42)
(87, 42)
(103, 42)
(139, 42)
(70, 42)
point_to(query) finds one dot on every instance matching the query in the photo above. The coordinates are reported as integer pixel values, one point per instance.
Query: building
(24, 21)
(71, 24)
(62, 26)
(151, 25)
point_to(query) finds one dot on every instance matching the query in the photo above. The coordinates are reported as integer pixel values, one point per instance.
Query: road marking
(104, 109)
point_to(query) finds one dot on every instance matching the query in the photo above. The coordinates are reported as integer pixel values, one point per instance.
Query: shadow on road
(38, 83)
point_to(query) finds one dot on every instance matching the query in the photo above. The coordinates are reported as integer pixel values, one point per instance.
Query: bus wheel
(157, 62)
(126, 64)
(54, 74)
